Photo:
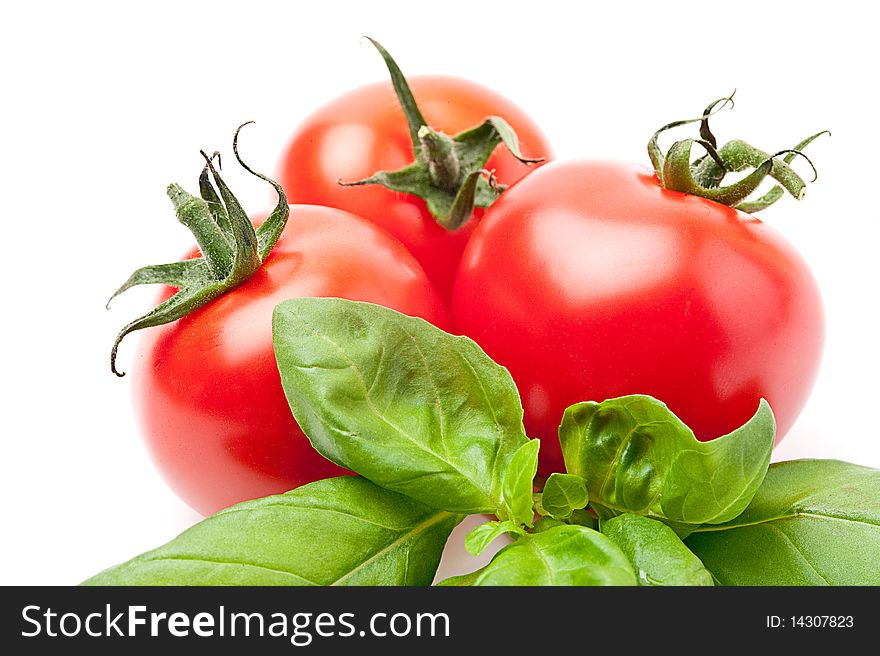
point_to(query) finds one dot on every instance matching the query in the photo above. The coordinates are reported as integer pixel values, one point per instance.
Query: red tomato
(207, 389)
(364, 131)
(588, 281)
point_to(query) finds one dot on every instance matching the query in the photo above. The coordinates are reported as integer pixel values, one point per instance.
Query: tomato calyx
(449, 172)
(705, 175)
(231, 248)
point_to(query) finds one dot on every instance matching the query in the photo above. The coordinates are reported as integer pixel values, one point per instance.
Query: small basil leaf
(562, 555)
(638, 457)
(482, 536)
(538, 504)
(403, 403)
(545, 523)
(517, 485)
(563, 494)
(583, 517)
(657, 554)
(465, 580)
(812, 522)
(339, 531)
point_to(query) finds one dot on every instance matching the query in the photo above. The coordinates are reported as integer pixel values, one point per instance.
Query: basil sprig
(434, 428)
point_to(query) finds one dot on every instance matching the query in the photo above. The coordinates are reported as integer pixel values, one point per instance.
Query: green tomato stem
(232, 250)
(448, 172)
(439, 152)
(704, 177)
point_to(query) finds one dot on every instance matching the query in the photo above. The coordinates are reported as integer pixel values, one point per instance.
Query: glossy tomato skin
(589, 281)
(206, 388)
(365, 131)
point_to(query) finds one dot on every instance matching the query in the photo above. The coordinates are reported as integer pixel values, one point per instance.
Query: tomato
(207, 390)
(365, 131)
(588, 281)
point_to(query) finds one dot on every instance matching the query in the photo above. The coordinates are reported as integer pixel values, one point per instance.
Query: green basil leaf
(563, 494)
(583, 517)
(339, 531)
(812, 522)
(638, 457)
(482, 536)
(562, 555)
(403, 403)
(546, 523)
(518, 483)
(657, 554)
(538, 504)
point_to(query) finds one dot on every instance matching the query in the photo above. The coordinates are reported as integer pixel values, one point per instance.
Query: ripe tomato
(365, 131)
(207, 390)
(588, 281)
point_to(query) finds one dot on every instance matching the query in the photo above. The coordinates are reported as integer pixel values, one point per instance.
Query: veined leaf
(339, 531)
(657, 554)
(562, 555)
(401, 402)
(638, 457)
(812, 522)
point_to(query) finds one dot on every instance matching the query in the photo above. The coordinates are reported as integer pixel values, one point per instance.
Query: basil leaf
(546, 523)
(812, 522)
(339, 531)
(403, 403)
(563, 494)
(518, 483)
(538, 504)
(583, 517)
(562, 555)
(482, 536)
(657, 554)
(638, 457)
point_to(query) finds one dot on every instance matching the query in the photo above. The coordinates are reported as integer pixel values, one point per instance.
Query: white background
(103, 104)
